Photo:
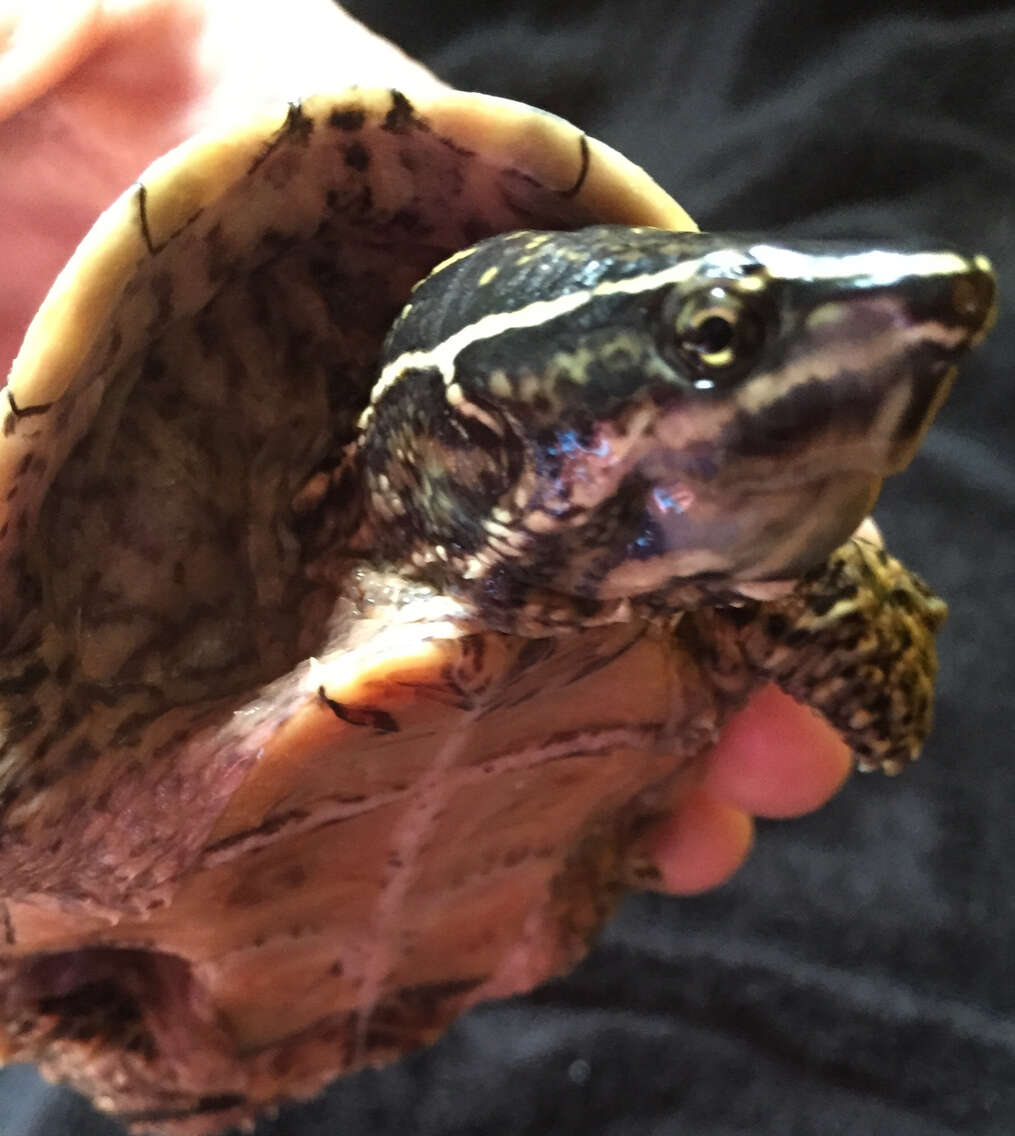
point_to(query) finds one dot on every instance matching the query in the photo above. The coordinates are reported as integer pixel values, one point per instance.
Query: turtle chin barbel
(655, 410)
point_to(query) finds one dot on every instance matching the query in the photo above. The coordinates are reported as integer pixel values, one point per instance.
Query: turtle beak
(942, 286)
(865, 354)
(964, 298)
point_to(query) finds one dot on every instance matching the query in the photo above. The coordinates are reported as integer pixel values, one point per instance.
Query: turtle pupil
(717, 335)
(712, 336)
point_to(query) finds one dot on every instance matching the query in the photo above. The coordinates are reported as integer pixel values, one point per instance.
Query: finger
(40, 42)
(701, 845)
(776, 758)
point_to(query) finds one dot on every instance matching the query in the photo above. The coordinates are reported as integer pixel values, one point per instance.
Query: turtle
(399, 494)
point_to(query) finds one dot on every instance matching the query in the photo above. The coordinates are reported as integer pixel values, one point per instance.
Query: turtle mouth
(753, 530)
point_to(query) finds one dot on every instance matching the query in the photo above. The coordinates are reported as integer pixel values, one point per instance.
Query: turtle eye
(717, 334)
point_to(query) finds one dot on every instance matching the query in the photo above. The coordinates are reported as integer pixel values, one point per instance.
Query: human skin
(91, 93)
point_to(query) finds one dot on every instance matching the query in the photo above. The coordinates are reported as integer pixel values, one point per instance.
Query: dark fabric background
(857, 976)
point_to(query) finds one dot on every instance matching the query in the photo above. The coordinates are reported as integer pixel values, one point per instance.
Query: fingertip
(776, 758)
(702, 845)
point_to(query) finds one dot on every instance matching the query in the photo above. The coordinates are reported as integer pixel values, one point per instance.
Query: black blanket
(856, 977)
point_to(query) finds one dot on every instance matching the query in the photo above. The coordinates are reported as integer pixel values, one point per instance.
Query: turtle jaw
(758, 533)
(763, 483)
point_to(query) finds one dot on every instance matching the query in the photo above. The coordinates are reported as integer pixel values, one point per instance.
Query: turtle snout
(974, 298)
(964, 298)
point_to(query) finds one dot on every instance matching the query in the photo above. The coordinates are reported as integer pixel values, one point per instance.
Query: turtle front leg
(854, 640)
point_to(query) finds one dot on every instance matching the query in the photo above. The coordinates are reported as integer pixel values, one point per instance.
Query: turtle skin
(257, 829)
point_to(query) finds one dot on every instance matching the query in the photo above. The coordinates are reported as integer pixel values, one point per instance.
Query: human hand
(91, 92)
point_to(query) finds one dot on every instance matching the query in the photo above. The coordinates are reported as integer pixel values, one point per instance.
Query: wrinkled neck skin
(638, 519)
(663, 541)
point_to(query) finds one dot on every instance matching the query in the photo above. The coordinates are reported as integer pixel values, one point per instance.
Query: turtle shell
(257, 832)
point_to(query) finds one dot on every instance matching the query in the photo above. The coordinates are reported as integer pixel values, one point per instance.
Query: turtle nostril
(973, 295)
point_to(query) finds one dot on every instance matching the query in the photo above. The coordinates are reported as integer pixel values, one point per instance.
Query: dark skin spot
(294, 876)
(115, 343)
(25, 411)
(402, 116)
(162, 290)
(349, 120)
(297, 127)
(25, 682)
(534, 651)
(146, 232)
(822, 604)
(455, 148)
(82, 752)
(142, 214)
(275, 241)
(208, 336)
(583, 168)
(476, 229)
(45, 744)
(68, 717)
(410, 221)
(797, 637)
(356, 206)
(357, 156)
(377, 719)
(153, 368)
(10, 938)
(39, 780)
(217, 254)
(474, 647)
(776, 626)
(297, 123)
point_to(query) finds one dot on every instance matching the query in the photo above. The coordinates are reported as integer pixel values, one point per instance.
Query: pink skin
(91, 92)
